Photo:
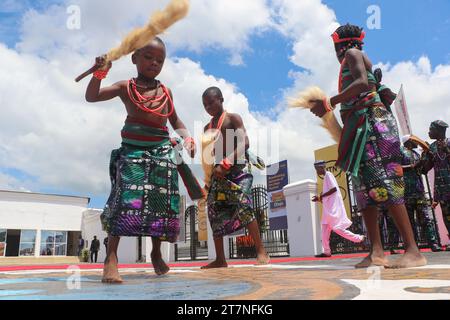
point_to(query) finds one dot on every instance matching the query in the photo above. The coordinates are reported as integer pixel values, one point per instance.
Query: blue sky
(11, 12)
(409, 30)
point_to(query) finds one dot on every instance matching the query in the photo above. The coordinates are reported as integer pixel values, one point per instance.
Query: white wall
(21, 210)
(91, 227)
(32, 211)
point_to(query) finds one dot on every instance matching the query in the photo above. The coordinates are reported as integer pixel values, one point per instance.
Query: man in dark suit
(95, 247)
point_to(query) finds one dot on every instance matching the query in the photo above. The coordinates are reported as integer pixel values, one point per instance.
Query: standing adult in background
(417, 205)
(95, 248)
(438, 157)
(334, 215)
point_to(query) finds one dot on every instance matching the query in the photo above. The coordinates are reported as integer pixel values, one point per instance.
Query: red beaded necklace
(140, 100)
(220, 122)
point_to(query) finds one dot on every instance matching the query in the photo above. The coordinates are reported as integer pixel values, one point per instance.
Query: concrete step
(17, 261)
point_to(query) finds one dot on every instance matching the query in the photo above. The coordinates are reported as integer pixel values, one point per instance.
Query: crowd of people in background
(415, 164)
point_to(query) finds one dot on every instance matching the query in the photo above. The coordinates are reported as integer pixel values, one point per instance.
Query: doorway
(72, 243)
(12, 243)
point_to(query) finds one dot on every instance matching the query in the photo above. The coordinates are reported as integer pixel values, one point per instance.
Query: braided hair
(348, 31)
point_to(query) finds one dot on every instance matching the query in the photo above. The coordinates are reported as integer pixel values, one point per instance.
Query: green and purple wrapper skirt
(229, 201)
(369, 149)
(380, 175)
(144, 199)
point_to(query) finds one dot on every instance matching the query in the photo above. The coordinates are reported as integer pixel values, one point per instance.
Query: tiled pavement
(299, 279)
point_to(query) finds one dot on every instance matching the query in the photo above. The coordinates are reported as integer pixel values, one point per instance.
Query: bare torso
(230, 124)
(368, 65)
(136, 112)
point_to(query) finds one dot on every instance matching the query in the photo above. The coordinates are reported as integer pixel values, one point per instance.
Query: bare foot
(216, 264)
(410, 260)
(111, 272)
(373, 260)
(262, 258)
(159, 265)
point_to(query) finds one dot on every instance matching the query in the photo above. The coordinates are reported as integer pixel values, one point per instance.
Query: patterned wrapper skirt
(380, 176)
(144, 199)
(230, 201)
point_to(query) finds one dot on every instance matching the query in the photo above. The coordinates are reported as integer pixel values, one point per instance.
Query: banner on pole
(401, 110)
(277, 178)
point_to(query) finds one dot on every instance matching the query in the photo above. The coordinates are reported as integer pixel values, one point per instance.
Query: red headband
(336, 38)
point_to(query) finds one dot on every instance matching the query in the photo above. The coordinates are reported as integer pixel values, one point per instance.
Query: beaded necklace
(141, 101)
(220, 122)
(445, 143)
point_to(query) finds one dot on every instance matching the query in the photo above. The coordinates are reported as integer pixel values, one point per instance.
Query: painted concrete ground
(299, 280)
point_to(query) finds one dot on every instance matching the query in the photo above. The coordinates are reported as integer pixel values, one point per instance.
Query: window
(2, 242)
(53, 243)
(27, 242)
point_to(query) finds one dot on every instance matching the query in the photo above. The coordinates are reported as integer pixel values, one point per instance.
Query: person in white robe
(334, 215)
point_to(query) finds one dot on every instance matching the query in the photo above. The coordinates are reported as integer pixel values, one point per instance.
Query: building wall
(40, 212)
(31, 211)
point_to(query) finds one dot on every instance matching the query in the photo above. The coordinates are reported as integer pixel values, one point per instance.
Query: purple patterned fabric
(380, 177)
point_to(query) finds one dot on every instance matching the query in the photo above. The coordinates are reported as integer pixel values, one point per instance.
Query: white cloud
(220, 24)
(46, 131)
(51, 133)
(7, 182)
(426, 91)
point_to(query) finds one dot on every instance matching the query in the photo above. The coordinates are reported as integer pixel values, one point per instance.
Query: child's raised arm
(93, 91)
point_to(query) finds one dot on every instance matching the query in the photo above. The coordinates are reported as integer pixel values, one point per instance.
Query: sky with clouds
(258, 51)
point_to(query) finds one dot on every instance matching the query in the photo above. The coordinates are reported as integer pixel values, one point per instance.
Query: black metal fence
(389, 235)
(275, 241)
(191, 248)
